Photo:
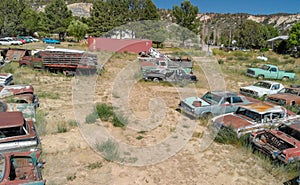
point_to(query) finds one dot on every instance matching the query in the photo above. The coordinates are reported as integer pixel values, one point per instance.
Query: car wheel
(155, 80)
(285, 78)
(260, 77)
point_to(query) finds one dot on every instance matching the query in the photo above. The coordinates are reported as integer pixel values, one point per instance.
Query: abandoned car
(21, 168)
(213, 103)
(261, 89)
(19, 94)
(287, 96)
(282, 143)
(17, 133)
(254, 117)
(168, 75)
(6, 79)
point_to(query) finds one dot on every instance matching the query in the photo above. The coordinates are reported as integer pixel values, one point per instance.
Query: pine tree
(58, 17)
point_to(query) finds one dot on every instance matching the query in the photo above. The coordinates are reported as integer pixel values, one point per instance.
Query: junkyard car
(212, 103)
(261, 89)
(268, 71)
(254, 117)
(282, 143)
(168, 75)
(16, 133)
(19, 94)
(6, 79)
(288, 96)
(20, 168)
(51, 41)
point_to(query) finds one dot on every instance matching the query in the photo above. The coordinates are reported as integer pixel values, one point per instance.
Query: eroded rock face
(80, 9)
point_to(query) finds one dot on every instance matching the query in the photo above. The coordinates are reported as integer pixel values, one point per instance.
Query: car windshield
(263, 85)
(265, 67)
(249, 114)
(290, 131)
(2, 167)
(289, 91)
(211, 98)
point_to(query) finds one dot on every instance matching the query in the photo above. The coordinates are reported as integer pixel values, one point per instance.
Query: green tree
(77, 29)
(28, 21)
(149, 11)
(186, 16)
(10, 16)
(58, 17)
(252, 35)
(98, 20)
(294, 36)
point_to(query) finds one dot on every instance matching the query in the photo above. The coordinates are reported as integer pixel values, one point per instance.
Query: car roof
(11, 119)
(224, 93)
(268, 81)
(262, 107)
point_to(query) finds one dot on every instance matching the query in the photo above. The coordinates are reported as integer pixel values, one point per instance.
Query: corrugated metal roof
(282, 37)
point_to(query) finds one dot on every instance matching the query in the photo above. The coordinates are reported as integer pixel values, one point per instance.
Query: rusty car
(213, 103)
(21, 168)
(19, 94)
(17, 133)
(289, 96)
(282, 143)
(254, 117)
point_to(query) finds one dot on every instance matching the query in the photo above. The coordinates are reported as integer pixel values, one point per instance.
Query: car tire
(285, 78)
(260, 77)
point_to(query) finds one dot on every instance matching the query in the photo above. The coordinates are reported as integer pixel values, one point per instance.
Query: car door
(274, 89)
(273, 72)
(235, 102)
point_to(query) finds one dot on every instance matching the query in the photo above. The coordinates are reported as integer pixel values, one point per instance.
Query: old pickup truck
(282, 143)
(261, 89)
(268, 71)
(254, 117)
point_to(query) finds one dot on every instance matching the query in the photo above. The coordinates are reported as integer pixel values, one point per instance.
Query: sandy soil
(71, 160)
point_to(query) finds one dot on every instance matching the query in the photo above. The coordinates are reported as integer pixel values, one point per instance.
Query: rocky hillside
(221, 21)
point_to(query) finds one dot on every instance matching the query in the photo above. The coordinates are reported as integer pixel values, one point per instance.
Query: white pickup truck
(261, 89)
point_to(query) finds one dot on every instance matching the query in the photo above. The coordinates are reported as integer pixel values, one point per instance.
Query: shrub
(61, 128)
(109, 149)
(95, 165)
(91, 118)
(119, 121)
(104, 111)
(220, 61)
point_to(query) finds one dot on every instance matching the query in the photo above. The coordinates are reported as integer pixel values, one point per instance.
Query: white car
(262, 89)
(5, 42)
(13, 41)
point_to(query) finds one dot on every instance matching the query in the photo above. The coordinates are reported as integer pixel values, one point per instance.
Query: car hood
(189, 101)
(254, 88)
(232, 120)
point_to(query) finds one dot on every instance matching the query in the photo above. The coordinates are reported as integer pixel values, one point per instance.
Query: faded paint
(262, 107)
(11, 119)
(28, 110)
(20, 168)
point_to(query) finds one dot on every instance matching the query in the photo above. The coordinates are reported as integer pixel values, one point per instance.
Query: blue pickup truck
(269, 71)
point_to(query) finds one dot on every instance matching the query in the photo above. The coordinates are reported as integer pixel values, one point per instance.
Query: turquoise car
(51, 41)
(212, 103)
(268, 71)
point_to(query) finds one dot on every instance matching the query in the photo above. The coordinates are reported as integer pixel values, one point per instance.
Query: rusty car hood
(233, 120)
(285, 96)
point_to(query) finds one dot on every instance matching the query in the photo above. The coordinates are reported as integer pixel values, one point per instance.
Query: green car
(268, 71)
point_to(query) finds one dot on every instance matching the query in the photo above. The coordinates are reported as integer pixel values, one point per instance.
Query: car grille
(276, 101)
(247, 92)
(251, 72)
(186, 107)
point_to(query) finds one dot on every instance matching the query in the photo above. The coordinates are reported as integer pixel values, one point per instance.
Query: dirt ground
(70, 159)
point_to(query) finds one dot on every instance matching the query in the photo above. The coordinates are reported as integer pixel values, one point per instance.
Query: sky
(256, 7)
